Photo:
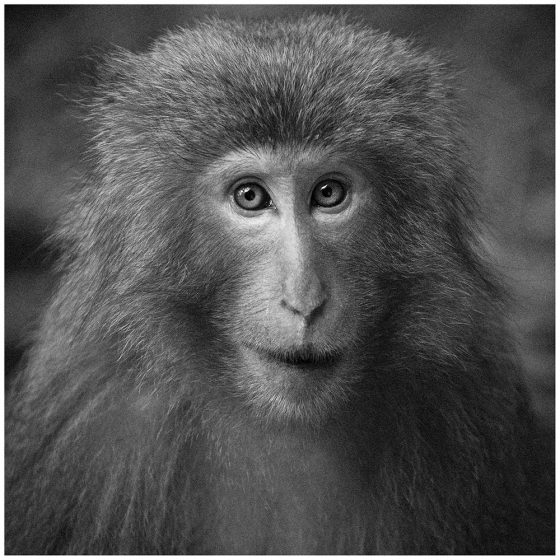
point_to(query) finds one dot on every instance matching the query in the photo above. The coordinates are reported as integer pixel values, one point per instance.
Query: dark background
(506, 54)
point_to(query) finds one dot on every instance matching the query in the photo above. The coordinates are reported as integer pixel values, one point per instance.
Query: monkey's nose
(303, 292)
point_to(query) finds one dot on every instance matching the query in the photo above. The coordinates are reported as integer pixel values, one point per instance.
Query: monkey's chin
(296, 384)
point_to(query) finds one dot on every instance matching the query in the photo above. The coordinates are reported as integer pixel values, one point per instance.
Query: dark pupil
(326, 191)
(250, 194)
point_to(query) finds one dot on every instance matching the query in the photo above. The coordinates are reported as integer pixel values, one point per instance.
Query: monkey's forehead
(223, 86)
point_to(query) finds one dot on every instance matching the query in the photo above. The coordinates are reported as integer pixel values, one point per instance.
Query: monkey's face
(297, 296)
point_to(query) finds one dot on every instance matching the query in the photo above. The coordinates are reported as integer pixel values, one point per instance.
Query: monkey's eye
(251, 196)
(327, 193)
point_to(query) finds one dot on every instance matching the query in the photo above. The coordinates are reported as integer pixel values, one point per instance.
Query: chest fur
(287, 497)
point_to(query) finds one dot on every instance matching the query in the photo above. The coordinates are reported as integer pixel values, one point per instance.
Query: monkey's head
(288, 188)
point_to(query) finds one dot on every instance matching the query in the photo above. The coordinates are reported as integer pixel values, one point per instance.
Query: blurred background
(506, 57)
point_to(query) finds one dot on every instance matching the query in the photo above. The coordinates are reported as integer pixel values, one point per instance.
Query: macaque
(274, 331)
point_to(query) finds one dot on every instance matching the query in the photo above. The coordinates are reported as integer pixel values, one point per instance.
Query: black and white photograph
(279, 279)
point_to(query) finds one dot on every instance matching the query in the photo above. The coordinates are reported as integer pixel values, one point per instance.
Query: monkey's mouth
(301, 358)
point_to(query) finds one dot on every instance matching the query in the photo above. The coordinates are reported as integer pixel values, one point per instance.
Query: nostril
(309, 311)
(315, 312)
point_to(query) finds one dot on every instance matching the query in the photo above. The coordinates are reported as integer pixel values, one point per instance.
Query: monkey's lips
(306, 358)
